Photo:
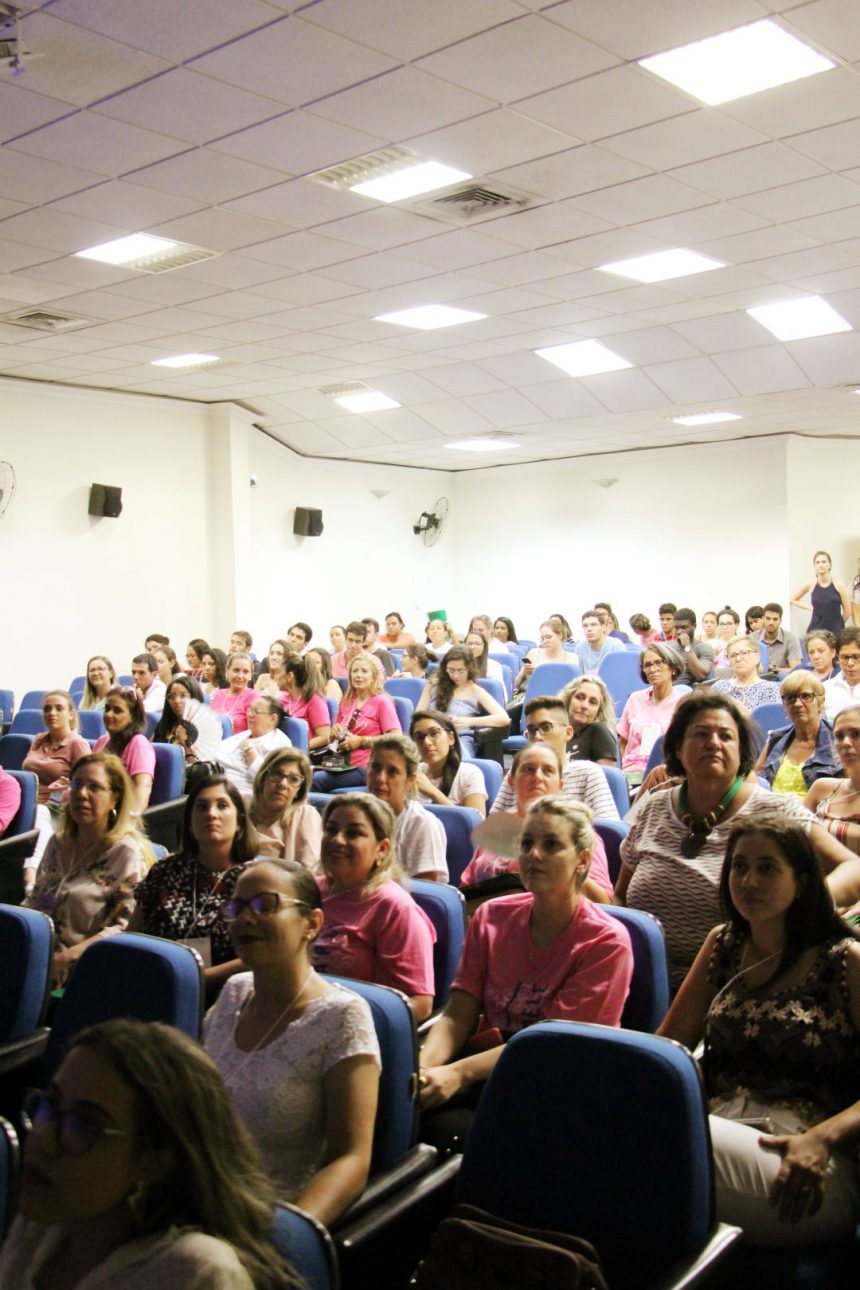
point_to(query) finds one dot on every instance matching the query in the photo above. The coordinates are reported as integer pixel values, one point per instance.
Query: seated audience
(364, 714)
(672, 856)
(647, 713)
(641, 625)
(299, 1055)
(241, 642)
(564, 630)
(709, 629)
(372, 646)
(418, 836)
(299, 637)
(728, 627)
(214, 671)
(696, 656)
(153, 640)
(745, 685)
(147, 682)
(443, 777)
(843, 691)
(666, 614)
(454, 690)
(302, 697)
(395, 635)
(168, 667)
(101, 675)
(356, 635)
(138, 1173)
(180, 897)
(337, 636)
(797, 755)
(544, 953)
(93, 862)
(416, 661)
(242, 755)
(783, 647)
(836, 801)
(550, 650)
(775, 994)
(288, 827)
(439, 636)
(373, 930)
(820, 649)
(235, 698)
(125, 723)
(189, 721)
(610, 623)
(477, 645)
(591, 711)
(504, 631)
(597, 644)
(53, 753)
(272, 670)
(754, 619)
(194, 652)
(330, 687)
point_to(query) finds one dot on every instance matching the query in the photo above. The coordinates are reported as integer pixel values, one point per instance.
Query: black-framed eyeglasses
(76, 1132)
(542, 728)
(264, 902)
(806, 696)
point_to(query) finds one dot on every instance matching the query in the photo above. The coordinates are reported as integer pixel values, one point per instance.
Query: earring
(136, 1200)
(112, 817)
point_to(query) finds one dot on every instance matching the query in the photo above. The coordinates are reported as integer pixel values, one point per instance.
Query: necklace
(701, 826)
(261, 1042)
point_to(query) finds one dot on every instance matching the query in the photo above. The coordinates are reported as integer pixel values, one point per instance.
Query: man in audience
(597, 644)
(667, 621)
(371, 631)
(299, 636)
(783, 648)
(155, 641)
(145, 679)
(240, 643)
(844, 690)
(356, 634)
(698, 656)
(547, 721)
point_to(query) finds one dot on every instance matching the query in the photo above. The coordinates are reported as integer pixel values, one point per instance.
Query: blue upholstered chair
(492, 773)
(612, 833)
(404, 708)
(7, 705)
(169, 774)
(296, 731)
(618, 788)
(769, 716)
(648, 1000)
(405, 687)
(620, 673)
(305, 1244)
(458, 823)
(446, 909)
(13, 750)
(91, 724)
(33, 699)
(27, 721)
(24, 818)
(26, 949)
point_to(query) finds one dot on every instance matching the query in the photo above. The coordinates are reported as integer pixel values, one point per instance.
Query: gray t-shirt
(702, 651)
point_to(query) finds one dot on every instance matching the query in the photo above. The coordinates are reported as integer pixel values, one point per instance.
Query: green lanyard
(701, 826)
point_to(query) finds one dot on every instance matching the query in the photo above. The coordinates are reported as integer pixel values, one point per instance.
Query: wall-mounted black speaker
(308, 522)
(105, 499)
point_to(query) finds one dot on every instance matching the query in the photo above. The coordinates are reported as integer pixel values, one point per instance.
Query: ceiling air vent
(470, 202)
(386, 161)
(43, 320)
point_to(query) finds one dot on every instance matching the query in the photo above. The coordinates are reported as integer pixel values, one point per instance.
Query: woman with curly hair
(455, 691)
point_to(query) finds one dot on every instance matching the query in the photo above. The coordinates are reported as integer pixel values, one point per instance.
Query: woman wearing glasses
(101, 675)
(289, 828)
(242, 755)
(138, 1173)
(797, 755)
(92, 863)
(745, 686)
(647, 713)
(836, 802)
(298, 1055)
(443, 777)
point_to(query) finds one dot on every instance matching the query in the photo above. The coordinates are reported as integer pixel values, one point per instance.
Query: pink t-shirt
(313, 710)
(10, 799)
(489, 864)
(138, 756)
(642, 723)
(380, 936)
(234, 706)
(376, 716)
(50, 763)
(583, 976)
(339, 666)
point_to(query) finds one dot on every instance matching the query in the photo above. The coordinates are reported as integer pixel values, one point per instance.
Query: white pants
(744, 1174)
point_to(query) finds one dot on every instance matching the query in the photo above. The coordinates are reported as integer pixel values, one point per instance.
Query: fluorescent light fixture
(797, 319)
(186, 360)
(485, 444)
(739, 62)
(366, 401)
(583, 358)
(124, 250)
(661, 265)
(429, 317)
(706, 418)
(423, 177)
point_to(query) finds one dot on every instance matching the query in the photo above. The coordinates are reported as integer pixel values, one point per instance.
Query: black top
(592, 743)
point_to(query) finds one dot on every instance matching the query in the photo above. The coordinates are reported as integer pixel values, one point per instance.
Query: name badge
(202, 945)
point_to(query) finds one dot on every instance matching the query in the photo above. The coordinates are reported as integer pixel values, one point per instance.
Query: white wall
(823, 499)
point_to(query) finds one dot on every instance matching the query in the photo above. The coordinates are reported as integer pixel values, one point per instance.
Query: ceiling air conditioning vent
(43, 320)
(474, 202)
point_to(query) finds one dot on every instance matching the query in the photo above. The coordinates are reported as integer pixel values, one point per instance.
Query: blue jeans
(326, 780)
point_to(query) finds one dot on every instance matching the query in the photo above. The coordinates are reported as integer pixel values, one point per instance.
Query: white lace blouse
(278, 1091)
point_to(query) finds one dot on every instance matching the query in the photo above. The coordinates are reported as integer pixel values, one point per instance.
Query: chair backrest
(493, 688)
(296, 730)
(404, 708)
(128, 975)
(332, 707)
(446, 909)
(91, 723)
(770, 716)
(226, 724)
(601, 1133)
(14, 853)
(492, 772)
(127, 681)
(648, 1000)
(33, 699)
(24, 818)
(77, 685)
(618, 788)
(27, 721)
(405, 687)
(620, 673)
(551, 678)
(152, 720)
(9, 1164)
(458, 823)
(319, 800)
(612, 833)
(7, 704)
(304, 1244)
(26, 950)
(396, 1126)
(13, 750)
(655, 757)
(765, 656)
(169, 774)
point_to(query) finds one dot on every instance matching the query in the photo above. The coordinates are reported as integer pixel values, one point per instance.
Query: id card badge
(202, 945)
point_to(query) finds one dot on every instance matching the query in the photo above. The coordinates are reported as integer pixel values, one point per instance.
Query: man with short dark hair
(371, 628)
(597, 644)
(356, 643)
(783, 647)
(667, 621)
(697, 656)
(145, 679)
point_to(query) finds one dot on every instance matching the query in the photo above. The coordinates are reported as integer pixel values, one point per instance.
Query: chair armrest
(19, 1052)
(432, 1193)
(163, 822)
(707, 1268)
(419, 1160)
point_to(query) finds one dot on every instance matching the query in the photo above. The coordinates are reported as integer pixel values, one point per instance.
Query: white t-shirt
(421, 842)
(231, 755)
(467, 783)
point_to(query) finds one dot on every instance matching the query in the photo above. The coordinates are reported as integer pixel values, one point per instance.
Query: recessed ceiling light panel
(429, 317)
(706, 418)
(736, 63)
(487, 443)
(146, 253)
(424, 177)
(186, 360)
(798, 319)
(366, 401)
(583, 358)
(663, 265)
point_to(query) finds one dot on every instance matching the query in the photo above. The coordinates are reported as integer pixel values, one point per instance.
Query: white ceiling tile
(21, 110)
(455, 417)
(31, 179)
(830, 226)
(694, 136)
(647, 198)
(721, 332)
(218, 229)
(492, 63)
(832, 23)
(188, 106)
(546, 226)
(803, 264)
(57, 231)
(80, 66)
(130, 207)
(625, 391)
(300, 203)
(633, 29)
(504, 410)
(205, 176)
(233, 271)
(802, 105)
(299, 142)
(762, 370)
(402, 104)
(490, 142)
(374, 271)
(809, 197)
(458, 249)
(176, 32)
(305, 289)
(741, 248)
(691, 378)
(565, 174)
(834, 146)
(384, 227)
(829, 360)
(94, 143)
(748, 171)
(293, 62)
(654, 345)
(303, 251)
(407, 29)
(464, 378)
(307, 438)
(402, 425)
(615, 100)
(563, 399)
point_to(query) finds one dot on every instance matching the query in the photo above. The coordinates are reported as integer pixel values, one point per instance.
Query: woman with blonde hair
(798, 754)
(592, 716)
(746, 685)
(101, 675)
(365, 713)
(288, 827)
